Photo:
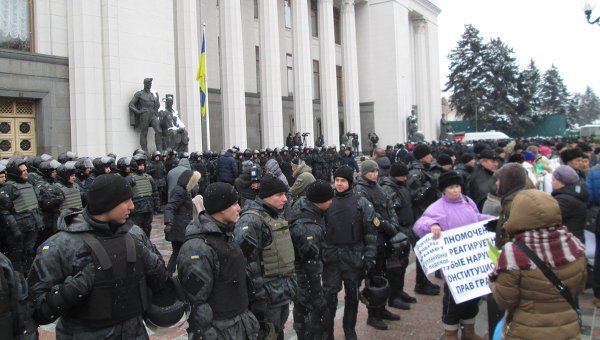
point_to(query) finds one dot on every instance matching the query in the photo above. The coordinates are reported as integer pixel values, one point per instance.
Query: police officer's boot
(349, 322)
(376, 322)
(387, 315)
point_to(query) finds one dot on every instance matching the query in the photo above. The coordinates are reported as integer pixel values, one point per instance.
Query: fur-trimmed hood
(189, 179)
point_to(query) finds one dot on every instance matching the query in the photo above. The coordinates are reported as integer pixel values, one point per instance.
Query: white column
(232, 71)
(422, 79)
(433, 65)
(88, 134)
(329, 100)
(270, 74)
(187, 59)
(303, 91)
(116, 122)
(350, 69)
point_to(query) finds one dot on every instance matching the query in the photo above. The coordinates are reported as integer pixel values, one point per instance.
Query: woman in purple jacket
(452, 210)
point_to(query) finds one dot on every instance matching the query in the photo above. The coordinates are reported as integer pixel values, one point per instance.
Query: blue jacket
(593, 184)
(350, 161)
(227, 169)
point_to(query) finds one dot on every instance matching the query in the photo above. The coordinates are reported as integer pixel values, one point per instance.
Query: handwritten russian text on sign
(462, 253)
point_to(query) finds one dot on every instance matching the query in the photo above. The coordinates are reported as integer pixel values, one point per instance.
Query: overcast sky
(547, 31)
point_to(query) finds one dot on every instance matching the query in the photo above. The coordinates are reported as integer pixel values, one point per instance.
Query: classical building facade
(69, 69)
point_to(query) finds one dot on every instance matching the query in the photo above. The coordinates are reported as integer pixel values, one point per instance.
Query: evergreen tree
(588, 108)
(529, 87)
(501, 94)
(554, 97)
(466, 79)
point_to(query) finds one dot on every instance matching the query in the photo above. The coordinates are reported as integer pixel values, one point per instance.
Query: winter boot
(450, 335)
(468, 332)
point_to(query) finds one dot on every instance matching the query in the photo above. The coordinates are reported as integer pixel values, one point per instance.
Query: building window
(255, 9)
(340, 83)
(314, 19)
(287, 11)
(337, 28)
(289, 61)
(16, 31)
(316, 80)
(257, 53)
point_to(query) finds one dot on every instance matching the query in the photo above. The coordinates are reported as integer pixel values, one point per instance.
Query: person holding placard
(451, 211)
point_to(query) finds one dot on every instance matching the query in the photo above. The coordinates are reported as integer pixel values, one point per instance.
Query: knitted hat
(346, 172)
(421, 151)
(449, 178)
(107, 192)
(319, 191)
(510, 175)
(218, 197)
(566, 175)
(570, 154)
(466, 158)
(529, 156)
(444, 159)
(270, 185)
(368, 166)
(398, 169)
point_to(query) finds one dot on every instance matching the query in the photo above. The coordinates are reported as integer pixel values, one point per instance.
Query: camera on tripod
(305, 134)
(352, 135)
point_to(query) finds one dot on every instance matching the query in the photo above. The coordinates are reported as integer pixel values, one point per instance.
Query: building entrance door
(17, 128)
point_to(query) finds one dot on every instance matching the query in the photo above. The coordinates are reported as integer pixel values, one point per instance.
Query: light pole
(587, 9)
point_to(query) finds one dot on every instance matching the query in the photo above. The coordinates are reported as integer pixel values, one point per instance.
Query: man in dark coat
(96, 272)
(227, 169)
(15, 316)
(348, 159)
(178, 213)
(572, 198)
(307, 231)
(208, 263)
(264, 237)
(382, 161)
(482, 181)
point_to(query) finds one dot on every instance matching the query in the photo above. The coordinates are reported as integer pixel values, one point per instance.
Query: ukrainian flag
(201, 77)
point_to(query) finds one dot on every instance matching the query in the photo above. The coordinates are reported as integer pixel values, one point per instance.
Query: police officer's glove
(369, 268)
(168, 228)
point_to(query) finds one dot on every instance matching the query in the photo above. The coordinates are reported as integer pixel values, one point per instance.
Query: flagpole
(206, 94)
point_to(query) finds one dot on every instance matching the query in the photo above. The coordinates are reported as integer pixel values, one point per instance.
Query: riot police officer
(15, 316)
(386, 222)
(264, 237)
(100, 166)
(307, 225)
(219, 309)
(21, 214)
(65, 182)
(156, 169)
(350, 249)
(145, 195)
(50, 197)
(96, 273)
(124, 169)
(83, 168)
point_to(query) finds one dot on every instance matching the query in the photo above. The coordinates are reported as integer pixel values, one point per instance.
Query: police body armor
(344, 222)
(277, 259)
(229, 296)
(6, 322)
(72, 197)
(142, 187)
(379, 200)
(119, 292)
(27, 199)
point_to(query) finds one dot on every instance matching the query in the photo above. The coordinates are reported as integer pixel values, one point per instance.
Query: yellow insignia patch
(376, 222)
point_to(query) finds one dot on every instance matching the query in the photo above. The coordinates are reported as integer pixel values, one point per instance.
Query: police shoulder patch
(194, 256)
(46, 246)
(309, 237)
(376, 222)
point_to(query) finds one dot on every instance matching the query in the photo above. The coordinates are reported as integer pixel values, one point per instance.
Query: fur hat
(421, 151)
(449, 178)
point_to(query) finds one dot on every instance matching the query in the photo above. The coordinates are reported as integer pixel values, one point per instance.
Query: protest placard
(462, 254)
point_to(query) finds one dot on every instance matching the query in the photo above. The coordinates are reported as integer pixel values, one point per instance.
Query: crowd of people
(253, 231)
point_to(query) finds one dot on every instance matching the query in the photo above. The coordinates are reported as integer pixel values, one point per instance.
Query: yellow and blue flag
(201, 77)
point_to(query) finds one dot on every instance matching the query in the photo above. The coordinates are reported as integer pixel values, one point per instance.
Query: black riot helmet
(399, 245)
(101, 163)
(67, 156)
(185, 154)
(168, 306)
(376, 292)
(247, 153)
(12, 169)
(47, 168)
(137, 151)
(123, 163)
(156, 154)
(82, 164)
(64, 172)
(138, 160)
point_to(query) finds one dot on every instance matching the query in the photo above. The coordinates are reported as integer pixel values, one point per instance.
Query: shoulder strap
(561, 286)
